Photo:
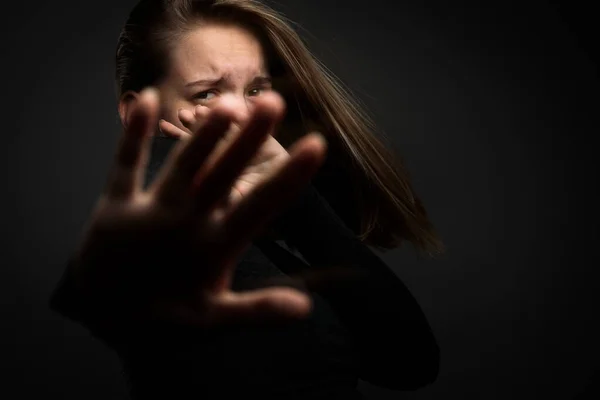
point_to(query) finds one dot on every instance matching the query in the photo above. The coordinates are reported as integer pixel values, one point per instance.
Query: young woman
(184, 270)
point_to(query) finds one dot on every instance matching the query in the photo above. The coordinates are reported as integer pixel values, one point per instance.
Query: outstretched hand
(170, 250)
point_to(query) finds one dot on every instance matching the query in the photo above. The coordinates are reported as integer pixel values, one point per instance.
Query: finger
(264, 305)
(187, 118)
(326, 278)
(215, 181)
(270, 198)
(240, 118)
(173, 183)
(201, 112)
(134, 147)
(171, 130)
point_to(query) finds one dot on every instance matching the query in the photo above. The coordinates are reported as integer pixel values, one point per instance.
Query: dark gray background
(491, 105)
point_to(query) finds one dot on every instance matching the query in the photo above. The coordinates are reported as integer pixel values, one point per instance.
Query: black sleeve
(398, 349)
(105, 321)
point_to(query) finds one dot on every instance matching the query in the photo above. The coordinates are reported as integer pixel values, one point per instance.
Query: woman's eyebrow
(206, 82)
(258, 80)
(261, 80)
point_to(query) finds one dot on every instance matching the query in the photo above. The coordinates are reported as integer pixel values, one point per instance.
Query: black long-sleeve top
(370, 328)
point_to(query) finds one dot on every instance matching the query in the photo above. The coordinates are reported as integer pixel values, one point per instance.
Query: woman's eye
(206, 95)
(256, 91)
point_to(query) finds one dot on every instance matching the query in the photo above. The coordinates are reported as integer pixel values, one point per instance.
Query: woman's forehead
(217, 50)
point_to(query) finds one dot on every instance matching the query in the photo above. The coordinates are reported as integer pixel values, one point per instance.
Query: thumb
(264, 305)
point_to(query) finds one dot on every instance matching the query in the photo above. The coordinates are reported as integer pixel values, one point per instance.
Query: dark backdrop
(492, 105)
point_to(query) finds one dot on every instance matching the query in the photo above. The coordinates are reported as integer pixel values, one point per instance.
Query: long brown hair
(376, 200)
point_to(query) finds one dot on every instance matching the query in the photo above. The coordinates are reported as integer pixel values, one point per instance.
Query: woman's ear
(126, 104)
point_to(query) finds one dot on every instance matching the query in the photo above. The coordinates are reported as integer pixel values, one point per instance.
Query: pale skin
(182, 222)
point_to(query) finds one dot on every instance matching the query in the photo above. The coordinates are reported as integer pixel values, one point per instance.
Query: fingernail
(150, 91)
(320, 136)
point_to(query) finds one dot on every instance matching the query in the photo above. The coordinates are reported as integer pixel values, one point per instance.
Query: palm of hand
(169, 252)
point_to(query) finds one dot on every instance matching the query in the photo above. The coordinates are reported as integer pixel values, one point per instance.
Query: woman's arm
(397, 346)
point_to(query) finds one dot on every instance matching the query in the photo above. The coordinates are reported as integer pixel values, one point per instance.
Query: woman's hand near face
(268, 159)
(170, 251)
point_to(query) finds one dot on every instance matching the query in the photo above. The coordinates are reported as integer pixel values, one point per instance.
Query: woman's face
(211, 63)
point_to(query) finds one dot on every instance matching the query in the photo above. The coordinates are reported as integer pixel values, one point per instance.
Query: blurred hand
(170, 251)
